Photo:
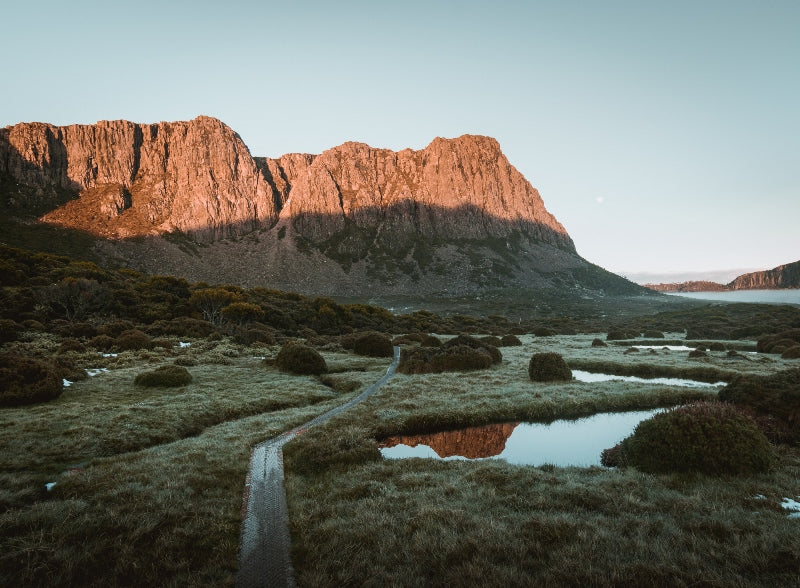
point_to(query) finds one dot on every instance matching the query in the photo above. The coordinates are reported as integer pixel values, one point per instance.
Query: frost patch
(66, 383)
(184, 344)
(792, 505)
(96, 371)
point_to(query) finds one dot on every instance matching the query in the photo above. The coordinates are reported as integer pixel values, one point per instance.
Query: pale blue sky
(665, 136)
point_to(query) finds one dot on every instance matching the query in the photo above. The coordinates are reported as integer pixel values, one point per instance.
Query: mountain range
(783, 276)
(187, 198)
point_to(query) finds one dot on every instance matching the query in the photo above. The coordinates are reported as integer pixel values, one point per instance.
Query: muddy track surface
(264, 558)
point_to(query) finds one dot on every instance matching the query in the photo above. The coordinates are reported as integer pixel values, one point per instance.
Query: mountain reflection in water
(562, 443)
(472, 442)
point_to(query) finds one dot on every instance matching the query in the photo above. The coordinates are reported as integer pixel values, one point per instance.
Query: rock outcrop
(132, 180)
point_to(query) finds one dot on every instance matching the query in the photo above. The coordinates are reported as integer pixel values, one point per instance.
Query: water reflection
(562, 443)
(582, 376)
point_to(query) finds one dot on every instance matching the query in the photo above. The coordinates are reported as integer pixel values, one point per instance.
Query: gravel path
(264, 558)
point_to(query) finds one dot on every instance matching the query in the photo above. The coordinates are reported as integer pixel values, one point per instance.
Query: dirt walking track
(264, 558)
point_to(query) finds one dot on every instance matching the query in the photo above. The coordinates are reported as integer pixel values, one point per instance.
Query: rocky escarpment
(122, 179)
(783, 276)
(453, 218)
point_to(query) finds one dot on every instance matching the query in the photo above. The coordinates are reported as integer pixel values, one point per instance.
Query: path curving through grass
(264, 558)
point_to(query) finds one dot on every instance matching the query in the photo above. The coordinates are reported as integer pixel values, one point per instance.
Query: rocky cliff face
(455, 217)
(783, 276)
(130, 180)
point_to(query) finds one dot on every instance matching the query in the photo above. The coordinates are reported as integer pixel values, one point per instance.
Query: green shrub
(340, 384)
(430, 341)
(544, 331)
(473, 343)
(776, 395)
(9, 331)
(716, 346)
(133, 340)
(599, 343)
(653, 334)
(372, 344)
(766, 344)
(166, 376)
(492, 340)
(452, 358)
(618, 334)
(71, 345)
(791, 353)
(510, 341)
(548, 367)
(695, 353)
(116, 328)
(25, 380)
(297, 358)
(101, 342)
(255, 335)
(407, 339)
(707, 437)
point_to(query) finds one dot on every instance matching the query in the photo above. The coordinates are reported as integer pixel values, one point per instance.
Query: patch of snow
(96, 371)
(49, 486)
(790, 504)
(759, 497)
(590, 377)
(185, 344)
(66, 383)
(109, 354)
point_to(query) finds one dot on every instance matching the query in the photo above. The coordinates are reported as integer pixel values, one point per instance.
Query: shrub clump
(707, 437)
(510, 341)
(549, 367)
(776, 396)
(473, 343)
(25, 380)
(372, 344)
(618, 334)
(298, 358)
(133, 340)
(653, 334)
(430, 341)
(695, 353)
(599, 343)
(166, 376)
(791, 353)
(9, 330)
(68, 345)
(447, 358)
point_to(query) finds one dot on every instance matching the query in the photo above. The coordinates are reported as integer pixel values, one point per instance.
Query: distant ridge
(779, 278)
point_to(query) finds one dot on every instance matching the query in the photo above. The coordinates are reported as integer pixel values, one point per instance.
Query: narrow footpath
(264, 558)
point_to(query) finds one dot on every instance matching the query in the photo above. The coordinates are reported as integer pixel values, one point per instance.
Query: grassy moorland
(360, 520)
(148, 480)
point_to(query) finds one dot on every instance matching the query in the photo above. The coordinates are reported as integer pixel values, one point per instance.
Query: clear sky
(665, 136)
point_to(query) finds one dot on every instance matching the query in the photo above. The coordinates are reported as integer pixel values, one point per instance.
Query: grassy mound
(25, 380)
(298, 358)
(510, 341)
(166, 376)
(708, 437)
(549, 367)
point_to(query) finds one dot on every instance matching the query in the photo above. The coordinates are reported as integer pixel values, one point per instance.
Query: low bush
(101, 342)
(473, 343)
(339, 384)
(776, 395)
(599, 343)
(166, 376)
(133, 340)
(492, 340)
(696, 353)
(298, 358)
(372, 344)
(783, 339)
(549, 367)
(716, 346)
(9, 330)
(544, 332)
(407, 339)
(652, 334)
(25, 380)
(510, 341)
(434, 360)
(430, 341)
(68, 345)
(708, 437)
(791, 353)
(618, 334)
(254, 335)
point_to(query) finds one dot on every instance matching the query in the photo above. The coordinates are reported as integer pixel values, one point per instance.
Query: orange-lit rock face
(198, 177)
(472, 442)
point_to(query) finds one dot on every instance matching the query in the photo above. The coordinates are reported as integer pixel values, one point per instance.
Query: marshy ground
(148, 481)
